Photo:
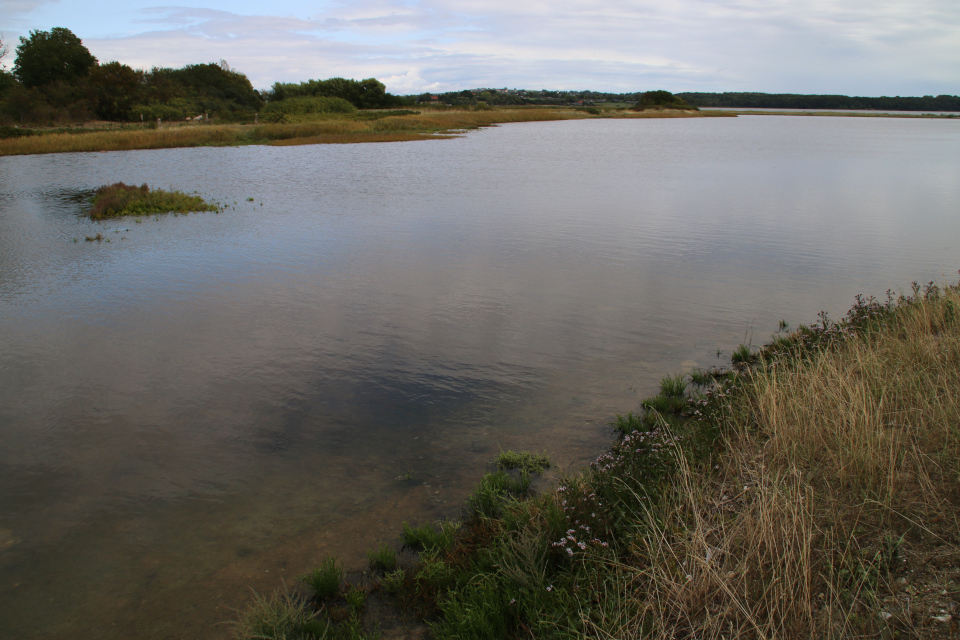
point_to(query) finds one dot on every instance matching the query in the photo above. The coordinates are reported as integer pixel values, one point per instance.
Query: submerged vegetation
(812, 490)
(119, 199)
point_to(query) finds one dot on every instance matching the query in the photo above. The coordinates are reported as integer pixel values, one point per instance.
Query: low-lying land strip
(363, 126)
(810, 491)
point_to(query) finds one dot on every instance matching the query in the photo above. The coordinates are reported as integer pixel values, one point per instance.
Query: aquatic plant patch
(525, 461)
(119, 199)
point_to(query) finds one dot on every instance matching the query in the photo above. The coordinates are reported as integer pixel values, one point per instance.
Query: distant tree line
(798, 101)
(505, 97)
(744, 100)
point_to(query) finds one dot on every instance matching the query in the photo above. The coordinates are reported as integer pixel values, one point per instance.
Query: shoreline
(427, 124)
(844, 114)
(741, 500)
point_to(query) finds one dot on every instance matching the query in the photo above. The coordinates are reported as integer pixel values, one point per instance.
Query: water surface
(213, 402)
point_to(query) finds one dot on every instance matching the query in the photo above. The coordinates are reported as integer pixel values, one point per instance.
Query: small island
(119, 199)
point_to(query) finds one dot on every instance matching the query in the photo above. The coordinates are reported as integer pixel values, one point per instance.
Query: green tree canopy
(661, 98)
(117, 87)
(48, 56)
(363, 94)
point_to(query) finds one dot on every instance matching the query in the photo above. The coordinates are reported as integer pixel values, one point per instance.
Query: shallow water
(213, 402)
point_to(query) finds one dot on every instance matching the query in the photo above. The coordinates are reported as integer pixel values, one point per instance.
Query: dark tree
(661, 98)
(117, 88)
(49, 56)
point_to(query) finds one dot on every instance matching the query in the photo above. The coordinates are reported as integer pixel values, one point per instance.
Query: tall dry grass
(835, 511)
(327, 129)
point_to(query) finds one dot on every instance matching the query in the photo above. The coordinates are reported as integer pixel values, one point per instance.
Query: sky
(852, 47)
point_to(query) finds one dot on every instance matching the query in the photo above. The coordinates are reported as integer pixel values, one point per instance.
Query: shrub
(151, 112)
(306, 105)
(15, 132)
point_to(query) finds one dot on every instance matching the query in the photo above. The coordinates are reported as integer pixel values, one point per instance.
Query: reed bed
(326, 129)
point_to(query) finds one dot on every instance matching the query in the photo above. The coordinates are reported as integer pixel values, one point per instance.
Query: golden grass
(836, 510)
(429, 124)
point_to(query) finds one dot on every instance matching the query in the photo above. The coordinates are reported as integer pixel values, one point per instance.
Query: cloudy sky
(858, 47)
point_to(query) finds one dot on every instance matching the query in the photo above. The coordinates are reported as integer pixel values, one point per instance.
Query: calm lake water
(214, 402)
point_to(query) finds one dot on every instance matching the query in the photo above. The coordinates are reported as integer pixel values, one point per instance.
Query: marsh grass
(496, 489)
(834, 509)
(813, 492)
(742, 356)
(524, 461)
(119, 199)
(429, 536)
(324, 581)
(673, 386)
(373, 126)
(285, 615)
(383, 558)
(282, 615)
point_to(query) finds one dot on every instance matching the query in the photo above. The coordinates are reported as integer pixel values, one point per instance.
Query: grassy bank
(330, 128)
(812, 490)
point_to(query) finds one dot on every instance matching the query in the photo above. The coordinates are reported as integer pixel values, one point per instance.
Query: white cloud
(865, 47)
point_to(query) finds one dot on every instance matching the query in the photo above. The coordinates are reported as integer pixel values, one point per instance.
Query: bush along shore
(811, 490)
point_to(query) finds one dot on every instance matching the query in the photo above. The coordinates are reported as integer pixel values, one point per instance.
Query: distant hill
(799, 101)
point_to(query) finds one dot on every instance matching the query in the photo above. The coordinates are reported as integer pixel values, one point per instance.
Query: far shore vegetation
(308, 128)
(810, 490)
(119, 199)
(58, 98)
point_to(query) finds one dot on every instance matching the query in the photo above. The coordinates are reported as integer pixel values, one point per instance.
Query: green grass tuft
(493, 490)
(427, 537)
(629, 423)
(525, 461)
(742, 356)
(665, 404)
(383, 558)
(282, 616)
(119, 199)
(673, 386)
(325, 580)
(356, 598)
